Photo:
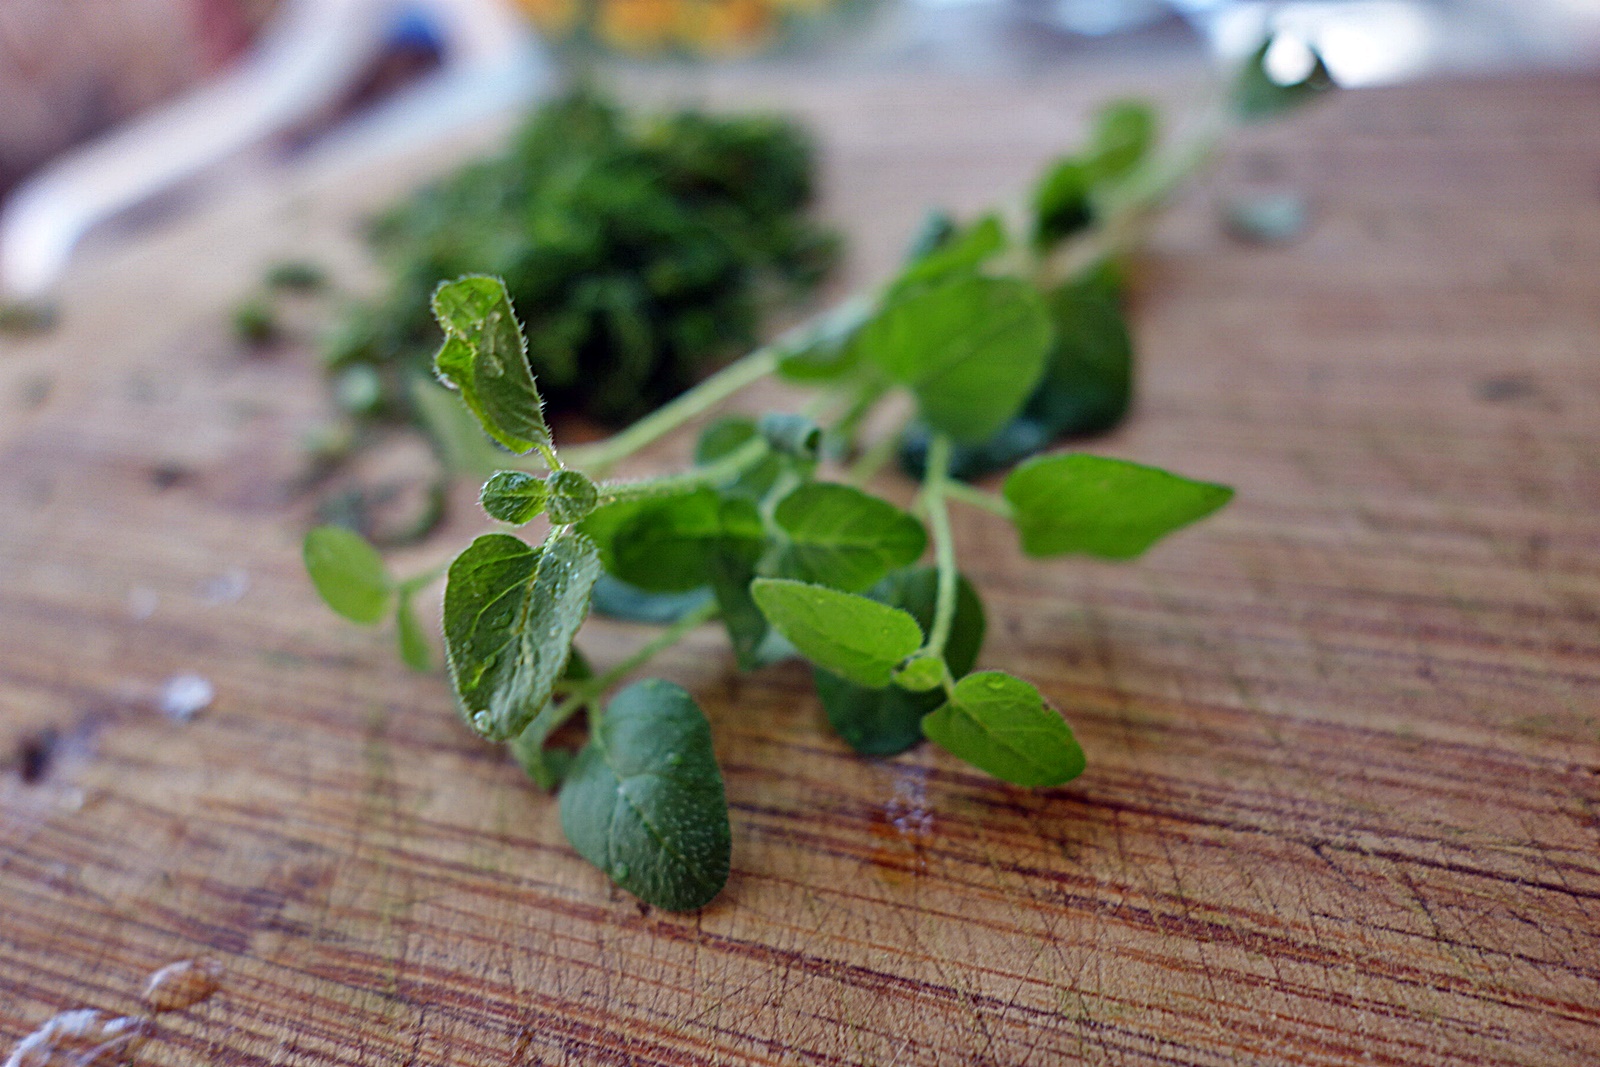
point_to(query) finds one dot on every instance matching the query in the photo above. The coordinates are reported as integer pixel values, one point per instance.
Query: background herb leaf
(510, 613)
(1000, 724)
(1103, 507)
(883, 722)
(415, 651)
(972, 350)
(845, 538)
(348, 573)
(859, 639)
(645, 803)
(1257, 95)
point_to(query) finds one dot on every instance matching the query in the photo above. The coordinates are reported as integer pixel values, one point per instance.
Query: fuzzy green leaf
(882, 722)
(415, 651)
(645, 803)
(971, 350)
(1002, 725)
(1103, 507)
(348, 573)
(663, 544)
(572, 497)
(486, 357)
(510, 613)
(513, 496)
(856, 638)
(842, 537)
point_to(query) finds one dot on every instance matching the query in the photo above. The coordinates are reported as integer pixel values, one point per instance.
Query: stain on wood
(1343, 803)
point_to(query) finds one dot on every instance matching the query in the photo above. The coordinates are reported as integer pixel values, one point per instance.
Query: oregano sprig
(993, 348)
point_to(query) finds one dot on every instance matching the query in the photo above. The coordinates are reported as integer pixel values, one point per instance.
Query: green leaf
(859, 639)
(1103, 507)
(510, 613)
(661, 544)
(971, 350)
(348, 573)
(1002, 725)
(726, 436)
(1256, 95)
(513, 496)
(415, 651)
(920, 672)
(842, 537)
(1124, 133)
(644, 802)
(486, 358)
(572, 497)
(1089, 381)
(1062, 204)
(732, 568)
(961, 251)
(826, 351)
(616, 599)
(882, 722)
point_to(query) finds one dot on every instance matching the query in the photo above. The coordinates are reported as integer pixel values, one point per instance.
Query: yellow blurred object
(555, 17)
(707, 28)
(727, 27)
(637, 25)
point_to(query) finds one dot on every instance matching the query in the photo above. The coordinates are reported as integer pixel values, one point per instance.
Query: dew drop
(182, 985)
(619, 871)
(480, 720)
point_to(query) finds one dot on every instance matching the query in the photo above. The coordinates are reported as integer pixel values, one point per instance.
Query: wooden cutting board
(1343, 804)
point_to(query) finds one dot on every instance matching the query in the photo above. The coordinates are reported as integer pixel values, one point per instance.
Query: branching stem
(586, 692)
(936, 481)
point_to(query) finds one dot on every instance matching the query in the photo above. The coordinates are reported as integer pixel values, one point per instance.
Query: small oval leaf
(845, 538)
(644, 801)
(348, 573)
(856, 638)
(486, 357)
(513, 496)
(1000, 724)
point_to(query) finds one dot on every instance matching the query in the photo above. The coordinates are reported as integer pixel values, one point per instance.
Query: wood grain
(1343, 804)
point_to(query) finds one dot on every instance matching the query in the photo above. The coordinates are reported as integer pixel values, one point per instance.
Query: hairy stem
(587, 692)
(936, 482)
(732, 465)
(598, 458)
(977, 498)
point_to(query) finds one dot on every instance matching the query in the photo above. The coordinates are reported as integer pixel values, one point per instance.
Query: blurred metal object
(304, 61)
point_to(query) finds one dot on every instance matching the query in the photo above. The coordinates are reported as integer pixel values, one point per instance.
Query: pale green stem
(587, 692)
(990, 502)
(729, 466)
(410, 585)
(598, 458)
(873, 460)
(936, 481)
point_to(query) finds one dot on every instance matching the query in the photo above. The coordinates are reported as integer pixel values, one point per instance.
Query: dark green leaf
(961, 252)
(1002, 725)
(859, 639)
(616, 599)
(1062, 204)
(732, 568)
(510, 613)
(548, 766)
(348, 573)
(1257, 95)
(882, 722)
(1124, 133)
(972, 350)
(644, 802)
(662, 544)
(1103, 507)
(486, 358)
(842, 537)
(1089, 381)
(513, 496)
(415, 651)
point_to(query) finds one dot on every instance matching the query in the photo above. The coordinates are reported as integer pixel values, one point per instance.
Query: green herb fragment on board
(644, 802)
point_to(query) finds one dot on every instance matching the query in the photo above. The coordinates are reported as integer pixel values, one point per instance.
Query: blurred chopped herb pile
(642, 251)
